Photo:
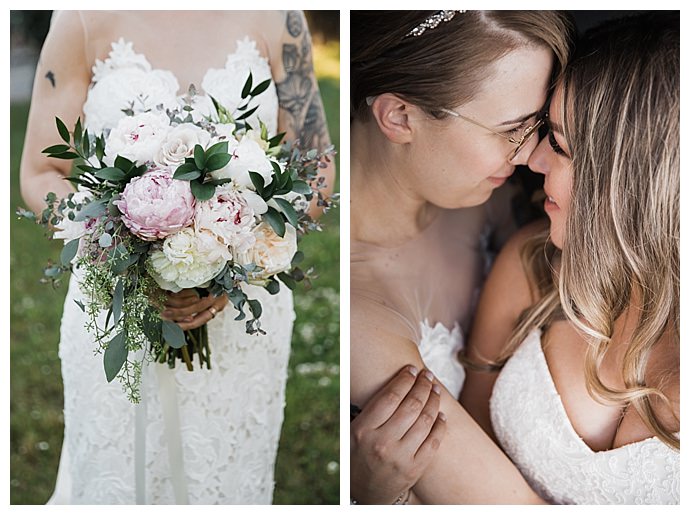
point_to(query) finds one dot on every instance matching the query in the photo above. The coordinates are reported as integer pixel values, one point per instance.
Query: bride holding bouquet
(209, 436)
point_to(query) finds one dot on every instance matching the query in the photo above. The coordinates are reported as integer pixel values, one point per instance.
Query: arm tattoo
(297, 93)
(51, 77)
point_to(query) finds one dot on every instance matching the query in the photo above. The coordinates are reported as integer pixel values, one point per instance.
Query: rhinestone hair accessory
(432, 22)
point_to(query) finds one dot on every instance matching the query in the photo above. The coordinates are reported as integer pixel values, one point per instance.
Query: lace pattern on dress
(531, 424)
(439, 347)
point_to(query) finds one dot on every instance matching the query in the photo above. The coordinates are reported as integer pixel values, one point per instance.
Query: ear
(392, 115)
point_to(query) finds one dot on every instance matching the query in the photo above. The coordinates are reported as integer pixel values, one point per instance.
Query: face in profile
(465, 156)
(552, 158)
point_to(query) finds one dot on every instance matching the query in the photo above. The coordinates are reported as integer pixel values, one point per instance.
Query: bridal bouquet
(170, 200)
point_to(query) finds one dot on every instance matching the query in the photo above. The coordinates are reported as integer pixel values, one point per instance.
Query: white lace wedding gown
(533, 428)
(230, 416)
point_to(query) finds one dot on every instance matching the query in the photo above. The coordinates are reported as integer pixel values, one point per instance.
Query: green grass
(307, 470)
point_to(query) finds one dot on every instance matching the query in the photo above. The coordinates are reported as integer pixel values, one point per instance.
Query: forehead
(516, 85)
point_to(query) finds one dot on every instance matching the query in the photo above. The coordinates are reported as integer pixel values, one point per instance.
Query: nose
(538, 161)
(522, 157)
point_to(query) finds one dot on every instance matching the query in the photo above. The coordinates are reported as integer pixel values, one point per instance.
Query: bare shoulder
(379, 348)
(508, 273)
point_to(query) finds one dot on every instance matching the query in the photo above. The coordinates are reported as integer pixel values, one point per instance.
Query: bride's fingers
(204, 316)
(411, 407)
(421, 427)
(181, 299)
(188, 310)
(384, 403)
(432, 443)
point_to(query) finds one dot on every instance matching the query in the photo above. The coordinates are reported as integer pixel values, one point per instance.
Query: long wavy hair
(621, 113)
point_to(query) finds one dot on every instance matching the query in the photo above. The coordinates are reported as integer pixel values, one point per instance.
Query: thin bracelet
(404, 498)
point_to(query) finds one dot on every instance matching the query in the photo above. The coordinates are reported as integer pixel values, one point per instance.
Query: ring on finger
(213, 311)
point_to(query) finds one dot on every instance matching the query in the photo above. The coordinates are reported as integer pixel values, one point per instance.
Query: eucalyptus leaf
(173, 334)
(152, 327)
(301, 187)
(272, 286)
(105, 240)
(115, 356)
(297, 258)
(276, 221)
(255, 308)
(118, 299)
(91, 210)
(287, 280)
(69, 251)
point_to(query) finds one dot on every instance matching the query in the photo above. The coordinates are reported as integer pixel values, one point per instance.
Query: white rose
(247, 157)
(138, 138)
(179, 143)
(187, 259)
(230, 215)
(271, 252)
(132, 88)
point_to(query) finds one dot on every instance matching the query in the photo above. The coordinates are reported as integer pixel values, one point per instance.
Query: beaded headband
(432, 22)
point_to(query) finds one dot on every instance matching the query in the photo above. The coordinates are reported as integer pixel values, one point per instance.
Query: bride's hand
(191, 311)
(395, 437)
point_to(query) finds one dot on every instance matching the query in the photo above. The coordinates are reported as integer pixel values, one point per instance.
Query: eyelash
(554, 144)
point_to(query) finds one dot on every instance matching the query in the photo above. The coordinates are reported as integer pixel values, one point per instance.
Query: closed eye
(554, 144)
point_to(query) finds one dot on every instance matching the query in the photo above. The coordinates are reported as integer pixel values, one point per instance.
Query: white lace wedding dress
(533, 428)
(230, 416)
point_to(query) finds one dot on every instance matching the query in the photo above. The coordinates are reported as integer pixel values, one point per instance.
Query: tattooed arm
(60, 86)
(301, 114)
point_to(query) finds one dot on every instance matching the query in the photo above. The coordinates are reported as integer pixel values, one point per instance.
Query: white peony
(247, 156)
(225, 84)
(138, 138)
(179, 143)
(187, 259)
(230, 215)
(128, 88)
(271, 252)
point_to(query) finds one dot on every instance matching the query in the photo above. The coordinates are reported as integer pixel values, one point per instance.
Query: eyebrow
(554, 126)
(521, 119)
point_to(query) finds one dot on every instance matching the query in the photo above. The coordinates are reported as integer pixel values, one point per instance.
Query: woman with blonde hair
(573, 366)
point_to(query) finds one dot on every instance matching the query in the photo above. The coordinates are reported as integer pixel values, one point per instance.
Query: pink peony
(155, 205)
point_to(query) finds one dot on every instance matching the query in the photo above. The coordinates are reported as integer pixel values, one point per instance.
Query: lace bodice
(126, 80)
(439, 347)
(230, 416)
(533, 428)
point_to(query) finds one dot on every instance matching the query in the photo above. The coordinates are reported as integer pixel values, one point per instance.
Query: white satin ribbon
(167, 393)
